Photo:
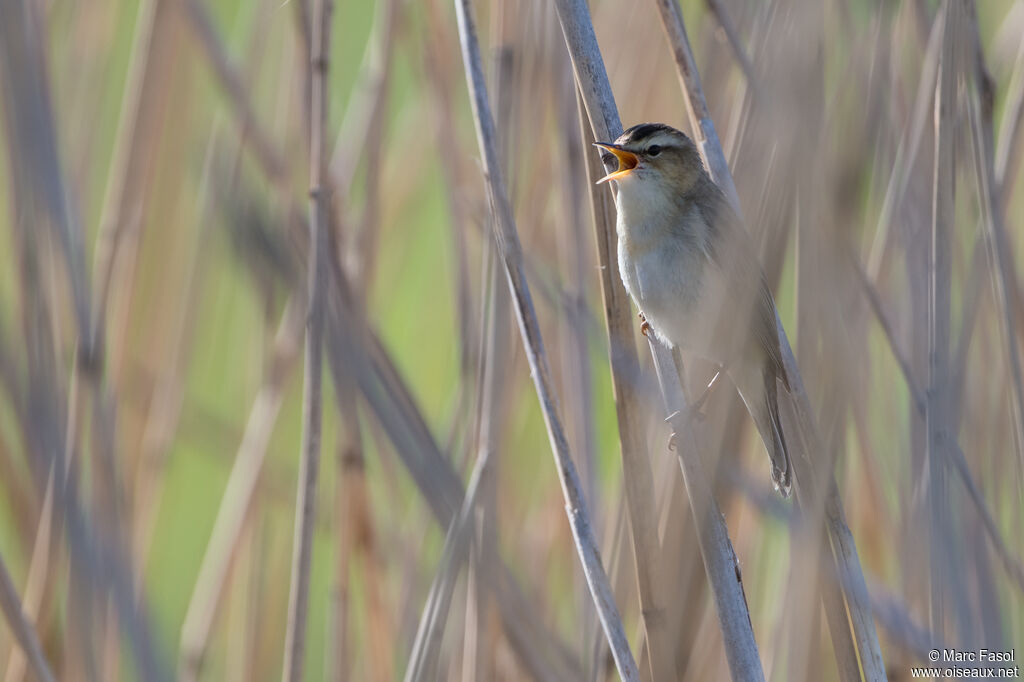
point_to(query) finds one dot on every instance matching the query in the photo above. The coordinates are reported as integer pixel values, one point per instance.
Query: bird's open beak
(627, 161)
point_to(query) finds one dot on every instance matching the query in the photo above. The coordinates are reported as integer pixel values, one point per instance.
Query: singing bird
(689, 265)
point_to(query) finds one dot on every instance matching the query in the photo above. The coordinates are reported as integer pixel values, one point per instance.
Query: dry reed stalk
(597, 664)
(102, 565)
(23, 631)
(980, 105)
(441, 90)
(987, 169)
(233, 511)
(972, 303)
(312, 409)
(575, 264)
(538, 649)
(894, 617)
(356, 537)
(358, 255)
(19, 491)
(843, 548)
(915, 215)
(810, 580)
(164, 411)
(638, 480)
(696, 107)
(906, 151)
(233, 84)
(511, 252)
(637, 477)
(97, 558)
(1013, 566)
(363, 116)
(339, 661)
(735, 42)
(355, 517)
(716, 548)
(380, 636)
(242, 617)
(363, 357)
(423, 661)
(132, 143)
(237, 498)
(96, 371)
(37, 581)
(679, 535)
(1010, 127)
(363, 249)
(939, 270)
(491, 393)
(473, 521)
(479, 663)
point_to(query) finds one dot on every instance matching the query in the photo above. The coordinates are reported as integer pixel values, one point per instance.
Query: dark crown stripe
(641, 132)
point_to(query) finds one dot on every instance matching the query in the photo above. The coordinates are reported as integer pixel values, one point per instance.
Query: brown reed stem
(236, 501)
(10, 603)
(43, 200)
(980, 103)
(511, 253)
(841, 539)
(37, 581)
(637, 477)
(233, 85)
(638, 480)
(312, 409)
(540, 651)
(733, 36)
(906, 151)
(716, 548)
(939, 271)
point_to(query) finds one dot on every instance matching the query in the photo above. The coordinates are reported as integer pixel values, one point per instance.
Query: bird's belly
(671, 288)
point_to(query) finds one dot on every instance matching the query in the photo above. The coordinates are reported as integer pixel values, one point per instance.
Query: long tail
(757, 386)
(782, 468)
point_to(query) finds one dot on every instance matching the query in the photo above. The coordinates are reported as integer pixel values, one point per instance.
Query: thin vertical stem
(716, 548)
(22, 628)
(42, 200)
(980, 105)
(236, 501)
(312, 409)
(511, 252)
(637, 477)
(819, 488)
(696, 106)
(389, 398)
(940, 266)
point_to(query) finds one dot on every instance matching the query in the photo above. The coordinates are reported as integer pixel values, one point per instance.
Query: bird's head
(652, 156)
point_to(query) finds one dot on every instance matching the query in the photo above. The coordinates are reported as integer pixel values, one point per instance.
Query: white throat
(643, 208)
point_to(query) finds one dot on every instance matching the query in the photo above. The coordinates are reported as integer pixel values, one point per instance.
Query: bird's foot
(645, 326)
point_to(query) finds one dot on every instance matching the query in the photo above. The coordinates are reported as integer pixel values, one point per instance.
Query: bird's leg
(695, 407)
(645, 326)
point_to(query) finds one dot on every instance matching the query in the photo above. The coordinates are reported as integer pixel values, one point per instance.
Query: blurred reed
(161, 243)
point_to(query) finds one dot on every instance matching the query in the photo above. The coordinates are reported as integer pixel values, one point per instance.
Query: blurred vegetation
(211, 250)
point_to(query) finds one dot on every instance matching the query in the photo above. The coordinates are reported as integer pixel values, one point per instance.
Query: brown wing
(732, 249)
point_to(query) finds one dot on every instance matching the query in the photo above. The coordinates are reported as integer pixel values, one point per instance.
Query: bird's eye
(653, 150)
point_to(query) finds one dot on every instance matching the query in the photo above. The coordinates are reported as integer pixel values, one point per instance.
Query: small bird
(689, 265)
